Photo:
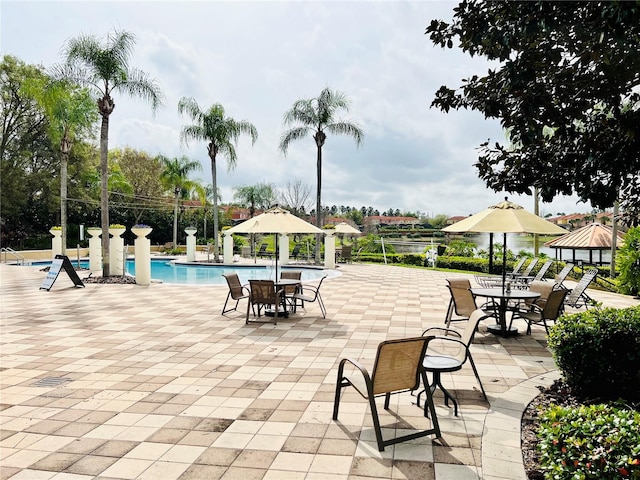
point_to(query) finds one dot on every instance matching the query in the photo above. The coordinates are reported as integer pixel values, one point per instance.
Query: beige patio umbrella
(275, 220)
(343, 228)
(505, 217)
(346, 229)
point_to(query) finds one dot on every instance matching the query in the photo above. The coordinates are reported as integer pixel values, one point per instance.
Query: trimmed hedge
(598, 353)
(596, 441)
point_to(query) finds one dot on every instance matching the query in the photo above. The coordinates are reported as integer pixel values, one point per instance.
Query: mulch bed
(114, 279)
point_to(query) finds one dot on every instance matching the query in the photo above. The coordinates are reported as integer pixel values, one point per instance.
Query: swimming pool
(166, 270)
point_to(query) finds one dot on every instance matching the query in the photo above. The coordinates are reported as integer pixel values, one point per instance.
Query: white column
(329, 251)
(116, 251)
(191, 243)
(227, 247)
(142, 255)
(283, 245)
(56, 242)
(95, 249)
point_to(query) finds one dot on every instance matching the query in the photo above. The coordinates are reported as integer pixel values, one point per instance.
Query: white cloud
(257, 58)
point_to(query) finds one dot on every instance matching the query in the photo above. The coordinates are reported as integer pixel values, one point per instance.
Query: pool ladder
(6, 250)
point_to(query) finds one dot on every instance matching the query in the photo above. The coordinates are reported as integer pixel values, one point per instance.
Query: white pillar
(116, 251)
(329, 251)
(227, 247)
(283, 245)
(191, 243)
(95, 249)
(56, 242)
(142, 255)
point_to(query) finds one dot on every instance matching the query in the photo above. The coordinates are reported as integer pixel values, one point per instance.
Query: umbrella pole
(276, 274)
(504, 261)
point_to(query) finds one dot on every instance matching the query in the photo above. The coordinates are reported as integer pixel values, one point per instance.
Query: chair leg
(430, 388)
(322, 307)
(376, 423)
(224, 310)
(475, 371)
(447, 319)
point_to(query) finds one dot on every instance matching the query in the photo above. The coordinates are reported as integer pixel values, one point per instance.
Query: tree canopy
(566, 90)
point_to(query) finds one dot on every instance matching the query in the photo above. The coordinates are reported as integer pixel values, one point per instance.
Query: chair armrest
(363, 371)
(448, 339)
(445, 330)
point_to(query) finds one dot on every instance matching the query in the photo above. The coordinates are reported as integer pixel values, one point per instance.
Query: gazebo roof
(594, 236)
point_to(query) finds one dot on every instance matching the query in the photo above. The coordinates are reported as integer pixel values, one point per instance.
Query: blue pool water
(167, 272)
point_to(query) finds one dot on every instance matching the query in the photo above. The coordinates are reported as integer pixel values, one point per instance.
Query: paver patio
(133, 382)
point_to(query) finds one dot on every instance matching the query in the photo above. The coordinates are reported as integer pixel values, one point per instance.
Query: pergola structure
(594, 237)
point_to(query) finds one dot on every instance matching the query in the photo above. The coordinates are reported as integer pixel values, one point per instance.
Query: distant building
(579, 220)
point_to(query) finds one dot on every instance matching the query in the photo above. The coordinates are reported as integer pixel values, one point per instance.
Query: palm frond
(291, 136)
(346, 128)
(138, 84)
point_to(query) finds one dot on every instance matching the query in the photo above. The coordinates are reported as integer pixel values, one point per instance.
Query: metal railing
(6, 250)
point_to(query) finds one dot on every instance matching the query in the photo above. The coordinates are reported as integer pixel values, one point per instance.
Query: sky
(257, 58)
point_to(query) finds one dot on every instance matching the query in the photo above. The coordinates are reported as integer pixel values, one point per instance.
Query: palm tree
(260, 196)
(105, 68)
(222, 134)
(175, 177)
(317, 116)
(71, 113)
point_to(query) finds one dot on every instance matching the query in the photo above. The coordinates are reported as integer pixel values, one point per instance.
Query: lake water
(515, 242)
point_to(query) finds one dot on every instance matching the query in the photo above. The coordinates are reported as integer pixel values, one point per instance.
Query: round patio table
(503, 296)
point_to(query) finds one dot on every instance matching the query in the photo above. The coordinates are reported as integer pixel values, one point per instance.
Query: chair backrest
(530, 267)
(296, 251)
(581, 286)
(472, 325)
(235, 287)
(518, 266)
(564, 273)
(346, 252)
(543, 288)
(463, 301)
(397, 365)
(263, 292)
(263, 248)
(543, 270)
(555, 302)
(290, 275)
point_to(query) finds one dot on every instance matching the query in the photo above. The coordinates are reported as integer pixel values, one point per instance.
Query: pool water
(166, 271)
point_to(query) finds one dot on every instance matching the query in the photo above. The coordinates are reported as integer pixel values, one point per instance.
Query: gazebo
(594, 237)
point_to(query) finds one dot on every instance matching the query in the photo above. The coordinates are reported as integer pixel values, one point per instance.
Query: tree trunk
(104, 193)
(214, 183)
(319, 137)
(65, 148)
(175, 219)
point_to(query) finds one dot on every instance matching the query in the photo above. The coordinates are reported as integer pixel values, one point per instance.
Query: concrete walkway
(132, 382)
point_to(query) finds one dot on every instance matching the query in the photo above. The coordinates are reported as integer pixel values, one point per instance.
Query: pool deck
(151, 382)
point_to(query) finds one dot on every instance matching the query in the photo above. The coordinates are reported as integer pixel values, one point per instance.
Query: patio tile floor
(133, 382)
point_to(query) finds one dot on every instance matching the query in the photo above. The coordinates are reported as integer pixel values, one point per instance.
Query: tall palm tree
(175, 177)
(317, 116)
(222, 133)
(104, 67)
(71, 113)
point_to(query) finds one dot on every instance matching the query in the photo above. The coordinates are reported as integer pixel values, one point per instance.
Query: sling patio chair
(462, 302)
(551, 310)
(310, 293)
(295, 253)
(291, 290)
(262, 252)
(237, 291)
(578, 297)
(264, 295)
(562, 276)
(488, 281)
(527, 271)
(396, 369)
(524, 281)
(447, 351)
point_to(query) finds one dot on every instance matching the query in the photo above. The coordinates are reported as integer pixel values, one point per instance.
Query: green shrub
(628, 262)
(598, 352)
(463, 263)
(596, 441)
